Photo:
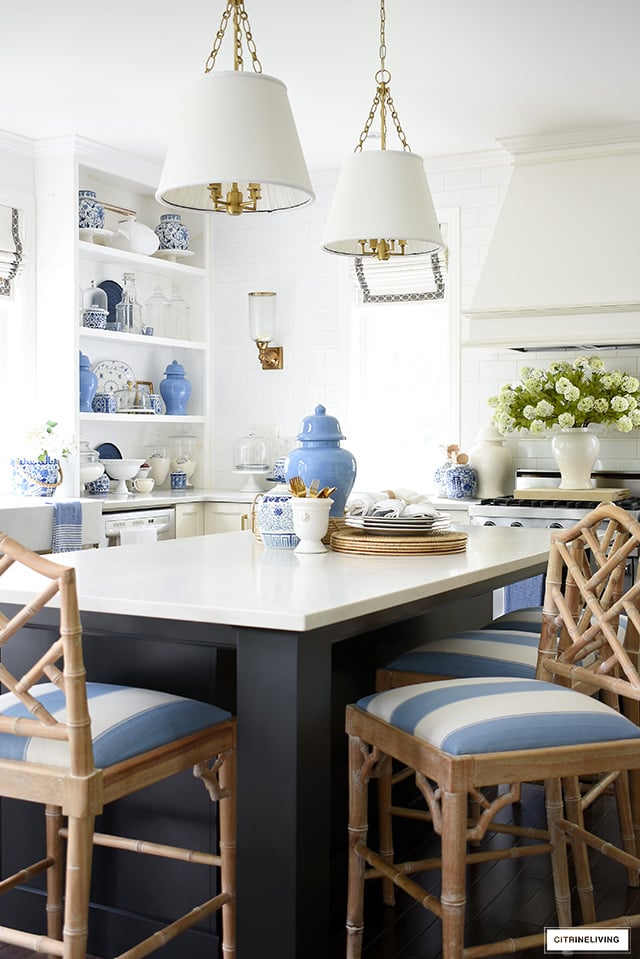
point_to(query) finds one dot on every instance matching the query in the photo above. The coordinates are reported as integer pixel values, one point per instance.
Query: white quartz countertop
(230, 578)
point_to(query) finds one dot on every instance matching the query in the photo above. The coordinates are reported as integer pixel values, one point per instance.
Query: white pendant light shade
(382, 194)
(235, 127)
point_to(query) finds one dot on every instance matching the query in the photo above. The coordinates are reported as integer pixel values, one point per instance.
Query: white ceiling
(464, 72)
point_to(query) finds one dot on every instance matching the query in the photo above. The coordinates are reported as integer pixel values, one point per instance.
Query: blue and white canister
(104, 403)
(274, 518)
(90, 211)
(460, 482)
(172, 232)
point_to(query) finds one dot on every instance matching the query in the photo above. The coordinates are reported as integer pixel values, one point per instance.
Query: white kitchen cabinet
(189, 519)
(68, 263)
(226, 517)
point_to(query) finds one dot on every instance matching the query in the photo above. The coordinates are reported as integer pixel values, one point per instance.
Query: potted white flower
(39, 471)
(567, 399)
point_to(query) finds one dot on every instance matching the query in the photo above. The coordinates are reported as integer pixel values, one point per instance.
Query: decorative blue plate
(114, 295)
(108, 451)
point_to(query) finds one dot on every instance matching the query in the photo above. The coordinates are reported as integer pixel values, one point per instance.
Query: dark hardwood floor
(509, 898)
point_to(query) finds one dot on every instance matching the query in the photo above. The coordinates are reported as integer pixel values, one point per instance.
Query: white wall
(283, 253)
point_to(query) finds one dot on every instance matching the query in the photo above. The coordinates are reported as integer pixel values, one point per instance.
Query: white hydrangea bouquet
(569, 394)
(44, 442)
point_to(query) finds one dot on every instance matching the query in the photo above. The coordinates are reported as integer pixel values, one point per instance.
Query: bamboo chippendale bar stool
(74, 746)
(464, 737)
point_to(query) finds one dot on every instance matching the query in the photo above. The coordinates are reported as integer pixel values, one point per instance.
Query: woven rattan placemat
(350, 540)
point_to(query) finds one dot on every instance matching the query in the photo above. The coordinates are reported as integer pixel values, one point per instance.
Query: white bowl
(90, 472)
(122, 470)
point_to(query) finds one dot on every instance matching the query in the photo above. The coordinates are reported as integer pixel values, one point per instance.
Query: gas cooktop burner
(509, 502)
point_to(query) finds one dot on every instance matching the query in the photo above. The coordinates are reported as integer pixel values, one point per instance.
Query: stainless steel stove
(551, 513)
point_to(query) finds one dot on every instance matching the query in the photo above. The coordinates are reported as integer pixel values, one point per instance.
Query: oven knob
(516, 523)
(489, 522)
(556, 526)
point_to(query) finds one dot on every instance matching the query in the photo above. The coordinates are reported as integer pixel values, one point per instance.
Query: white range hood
(563, 267)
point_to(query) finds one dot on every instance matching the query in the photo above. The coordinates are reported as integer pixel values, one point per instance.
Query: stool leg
(553, 797)
(453, 895)
(358, 793)
(78, 881)
(228, 830)
(54, 821)
(385, 825)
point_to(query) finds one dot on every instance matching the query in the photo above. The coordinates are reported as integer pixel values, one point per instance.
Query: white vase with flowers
(567, 400)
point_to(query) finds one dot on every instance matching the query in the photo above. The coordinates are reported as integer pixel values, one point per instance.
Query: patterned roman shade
(400, 279)
(10, 248)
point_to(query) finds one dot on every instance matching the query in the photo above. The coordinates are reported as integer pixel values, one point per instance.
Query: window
(403, 389)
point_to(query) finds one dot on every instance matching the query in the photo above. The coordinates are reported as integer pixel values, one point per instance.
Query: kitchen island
(297, 637)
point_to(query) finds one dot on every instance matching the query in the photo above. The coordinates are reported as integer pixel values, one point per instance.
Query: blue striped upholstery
(479, 715)
(529, 618)
(124, 721)
(474, 652)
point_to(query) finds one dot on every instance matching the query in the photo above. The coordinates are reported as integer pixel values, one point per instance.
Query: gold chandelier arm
(235, 9)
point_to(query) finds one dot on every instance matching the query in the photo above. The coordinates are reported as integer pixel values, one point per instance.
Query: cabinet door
(226, 517)
(189, 520)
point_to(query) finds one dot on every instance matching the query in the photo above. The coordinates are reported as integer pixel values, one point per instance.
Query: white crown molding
(590, 141)
(117, 162)
(13, 143)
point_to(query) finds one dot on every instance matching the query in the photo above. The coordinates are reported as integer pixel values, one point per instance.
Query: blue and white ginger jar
(172, 232)
(90, 211)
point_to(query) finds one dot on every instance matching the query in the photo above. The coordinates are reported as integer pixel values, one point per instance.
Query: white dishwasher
(138, 526)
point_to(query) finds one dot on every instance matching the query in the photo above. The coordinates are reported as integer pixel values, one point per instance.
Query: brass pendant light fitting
(381, 248)
(235, 203)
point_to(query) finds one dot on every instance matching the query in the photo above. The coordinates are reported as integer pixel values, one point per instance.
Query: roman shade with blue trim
(125, 722)
(487, 715)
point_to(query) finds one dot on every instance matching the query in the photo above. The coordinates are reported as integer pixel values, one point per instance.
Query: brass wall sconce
(262, 328)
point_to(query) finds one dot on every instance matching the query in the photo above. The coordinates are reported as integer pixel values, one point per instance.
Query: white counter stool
(461, 736)
(75, 746)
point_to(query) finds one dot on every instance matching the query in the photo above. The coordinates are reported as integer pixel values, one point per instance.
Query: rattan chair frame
(580, 617)
(73, 795)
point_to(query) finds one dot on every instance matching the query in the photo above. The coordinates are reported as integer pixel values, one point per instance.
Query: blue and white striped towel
(67, 526)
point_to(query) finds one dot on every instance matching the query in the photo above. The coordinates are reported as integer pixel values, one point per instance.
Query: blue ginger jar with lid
(320, 457)
(88, 384)
(175, 389)
(172, 233)
(90, 211)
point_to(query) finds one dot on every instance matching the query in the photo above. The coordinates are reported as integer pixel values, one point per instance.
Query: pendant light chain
(236, 9)
(383, 99)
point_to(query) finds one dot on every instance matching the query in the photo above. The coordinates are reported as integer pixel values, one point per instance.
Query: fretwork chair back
(74, 746)
(464, 737)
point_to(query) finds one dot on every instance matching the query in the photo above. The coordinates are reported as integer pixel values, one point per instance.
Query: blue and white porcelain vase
(175, 389)
(274, 518)
(90, 211)
(320, 457)
(88, 384)
(460, 482)
(36, 477)
(172, 232)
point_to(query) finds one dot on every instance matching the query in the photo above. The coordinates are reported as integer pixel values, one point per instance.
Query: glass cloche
(251, 458)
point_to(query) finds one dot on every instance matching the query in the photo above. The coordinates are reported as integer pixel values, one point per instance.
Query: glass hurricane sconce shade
(382, 206)
(256, 164)
(262, 329)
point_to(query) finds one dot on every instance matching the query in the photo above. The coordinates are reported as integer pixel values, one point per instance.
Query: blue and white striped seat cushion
(474, 652)
(124, 722)
(529, 619)
(484, 715)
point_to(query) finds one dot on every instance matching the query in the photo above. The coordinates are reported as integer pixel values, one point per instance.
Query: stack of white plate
(399, 525)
